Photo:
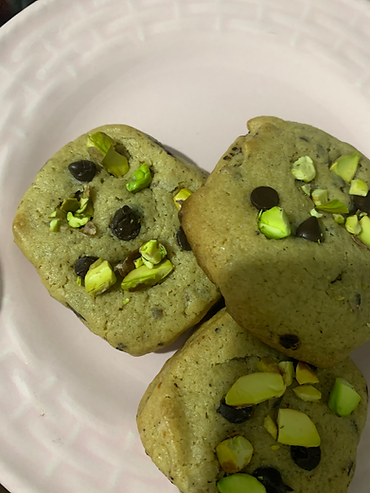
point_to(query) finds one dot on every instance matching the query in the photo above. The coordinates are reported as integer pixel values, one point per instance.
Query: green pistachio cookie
(100, 224)
(229, 414)
(282, 227)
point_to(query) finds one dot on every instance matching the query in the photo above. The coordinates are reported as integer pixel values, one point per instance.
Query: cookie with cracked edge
(50, 231)
(289, 269)
(180, 423)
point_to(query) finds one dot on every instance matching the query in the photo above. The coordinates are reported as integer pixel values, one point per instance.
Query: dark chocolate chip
(289, 341)
(362, 203)
(310, 230)
(306, 457)
(125, 224)
(83, 170)
(182, 240)
(83, 265)
(235, 415)
(264, 198)
(271, 480)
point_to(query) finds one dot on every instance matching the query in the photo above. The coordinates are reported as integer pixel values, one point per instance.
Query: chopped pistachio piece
(100, 277)
(364, 234)
(319, 196)
(287, 370)
(77, 222)
(343, 398)
(275, 447)
(306, 189)
(339, 219)
(304, 169)
(145, 277)
(304, 374)
(140, 179)
(274, 223)
(352, 225)
(153, 251)
(125, 301)
(53, 214)
(307, 393)
(98, 145)
(79, 281)
(139, 262)
(70, 205)
(313, 212)
(54, 225)
(267, 364)
(334, 207)
(270, 427)
(115, 163)
(181, 196)
(296, 428)
(358, 187)
(346, 166)
(240, 483)
(234, 454)
(255, 388)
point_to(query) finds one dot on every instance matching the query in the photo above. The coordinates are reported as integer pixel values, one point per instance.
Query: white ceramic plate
(190, 73)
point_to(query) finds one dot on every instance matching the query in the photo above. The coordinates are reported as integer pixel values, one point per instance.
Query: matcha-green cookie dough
(290, 440)
(282, 228)
(101, 226)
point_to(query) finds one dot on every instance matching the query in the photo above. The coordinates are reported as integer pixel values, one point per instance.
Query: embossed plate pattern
(190, 73)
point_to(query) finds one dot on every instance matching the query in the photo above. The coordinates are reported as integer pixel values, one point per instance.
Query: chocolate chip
(289, 341)
(125, 224)
(83, 170)
(362, 203)
(264, 198)
(271, 480)
(235, 415)
(306, 457)
(125, 267)
(83, 265)
(310, 230)
(182, 240)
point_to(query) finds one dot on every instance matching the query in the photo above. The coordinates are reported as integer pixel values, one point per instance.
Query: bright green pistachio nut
(364, 235)
(334, 207)
(358, 187)
(314, 212)
(53, 214)
(274, 223)
(115, 163)
(304, 169)
(255, 388)
(100, 277)
(346, 166)
(306, 189)
(138, 262)
(234, 454)
(144, 277)
(98, 144)
(140, 179)
(339, 219)
(319, 196)
(296, 428)
(77, 222)
(54, 225)
(181, 196)
(240, 483)
(153, 251)
(352, 225)
(70, 205)
(343, 398)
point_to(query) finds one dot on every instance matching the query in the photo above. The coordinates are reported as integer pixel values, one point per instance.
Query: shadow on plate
(180, 341)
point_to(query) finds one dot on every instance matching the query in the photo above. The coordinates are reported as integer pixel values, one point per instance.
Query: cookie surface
(308, 295)
(136, 322)
(180, 424)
